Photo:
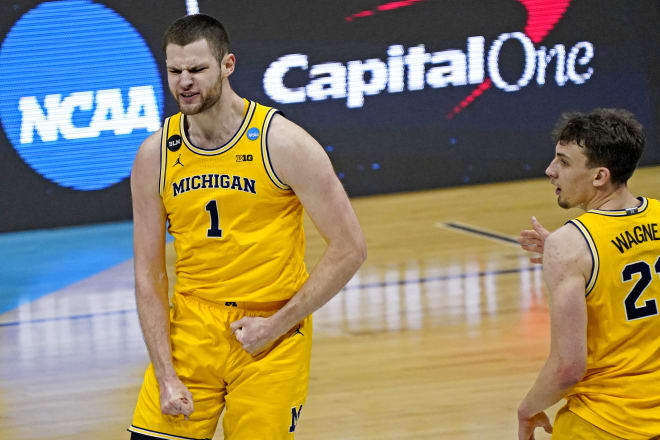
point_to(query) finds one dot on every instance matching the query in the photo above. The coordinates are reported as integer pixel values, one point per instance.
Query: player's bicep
(564, 268)
(568, 318)
(148, 211)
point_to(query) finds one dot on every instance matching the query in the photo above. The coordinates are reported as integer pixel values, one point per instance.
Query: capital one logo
(84, 91)
(413, 68)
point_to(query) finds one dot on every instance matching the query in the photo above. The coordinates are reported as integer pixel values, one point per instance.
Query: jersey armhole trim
(595, 260)
(163, 155)
(265, 155)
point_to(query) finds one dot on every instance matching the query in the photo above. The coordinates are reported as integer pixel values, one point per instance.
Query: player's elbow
(355, 251)
(149, 281)
(361, 249)
(570, 372)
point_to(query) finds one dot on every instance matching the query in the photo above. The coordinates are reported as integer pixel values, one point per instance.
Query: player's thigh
(150, 421)
(198, 358)
(266, 397)
(570, 426)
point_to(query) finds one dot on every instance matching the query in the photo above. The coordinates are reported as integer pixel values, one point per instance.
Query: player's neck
(216, 125)
(620, 198)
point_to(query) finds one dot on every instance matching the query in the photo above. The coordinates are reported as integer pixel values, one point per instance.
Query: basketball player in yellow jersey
(231, 177)
(602, 270)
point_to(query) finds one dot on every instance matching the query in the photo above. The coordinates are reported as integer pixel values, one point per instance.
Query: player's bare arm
(151, 276)
(301, 163)
(566, 268)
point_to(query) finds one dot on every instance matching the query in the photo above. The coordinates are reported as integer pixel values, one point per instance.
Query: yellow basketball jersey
(620, 392)
(237, 227)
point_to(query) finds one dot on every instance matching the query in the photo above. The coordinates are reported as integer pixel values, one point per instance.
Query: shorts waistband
(256, 306)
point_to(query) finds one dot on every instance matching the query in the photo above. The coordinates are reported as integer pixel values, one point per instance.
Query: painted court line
(479, 232)
(354, 287)
(67, 318)
(443, 278)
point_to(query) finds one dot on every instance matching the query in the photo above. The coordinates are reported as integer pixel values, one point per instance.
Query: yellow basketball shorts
(569, 425)
(262, 396)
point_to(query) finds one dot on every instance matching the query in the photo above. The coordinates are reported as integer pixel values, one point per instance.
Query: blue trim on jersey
(593, 251)
(266, 157)
(163, 160)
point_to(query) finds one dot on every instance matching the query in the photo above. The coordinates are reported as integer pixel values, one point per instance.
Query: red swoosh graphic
(542, 17)
(380, 8)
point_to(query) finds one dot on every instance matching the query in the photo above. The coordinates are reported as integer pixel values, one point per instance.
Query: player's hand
(532, 240)
(175, 398)
(526, 425)
(254, 334)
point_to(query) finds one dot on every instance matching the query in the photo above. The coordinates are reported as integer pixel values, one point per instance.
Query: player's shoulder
(565, 233)
(284, 133)
(153, 141)
(150, 147)
(289, 141)
(295, 155)
(566, 245)
(147, 159)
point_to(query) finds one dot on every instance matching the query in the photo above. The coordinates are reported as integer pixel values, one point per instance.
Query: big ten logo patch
(244, 158)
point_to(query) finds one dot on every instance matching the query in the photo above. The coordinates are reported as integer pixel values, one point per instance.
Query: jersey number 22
(650, 306)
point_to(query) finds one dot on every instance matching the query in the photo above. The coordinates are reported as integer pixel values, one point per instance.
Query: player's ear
(602, 177)
(228, 64)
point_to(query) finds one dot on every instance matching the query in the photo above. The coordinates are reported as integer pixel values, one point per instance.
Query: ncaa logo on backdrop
(83, 92)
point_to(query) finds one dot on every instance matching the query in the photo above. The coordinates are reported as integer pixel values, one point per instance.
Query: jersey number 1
(214, 230)
(650, 306)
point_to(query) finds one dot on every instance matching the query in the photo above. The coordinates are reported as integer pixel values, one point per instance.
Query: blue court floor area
(35, 263)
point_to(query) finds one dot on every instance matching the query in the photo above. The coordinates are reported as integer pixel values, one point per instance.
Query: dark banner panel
(403, 95)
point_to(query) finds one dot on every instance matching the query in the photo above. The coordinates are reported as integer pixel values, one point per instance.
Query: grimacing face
(194, 76)
(571, 176)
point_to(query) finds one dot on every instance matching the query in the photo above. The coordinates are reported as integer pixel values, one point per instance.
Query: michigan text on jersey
(203, 181)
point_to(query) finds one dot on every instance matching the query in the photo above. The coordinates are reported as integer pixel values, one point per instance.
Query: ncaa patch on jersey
(253, 133)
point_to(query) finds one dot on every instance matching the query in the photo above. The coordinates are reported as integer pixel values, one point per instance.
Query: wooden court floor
(438, 336)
